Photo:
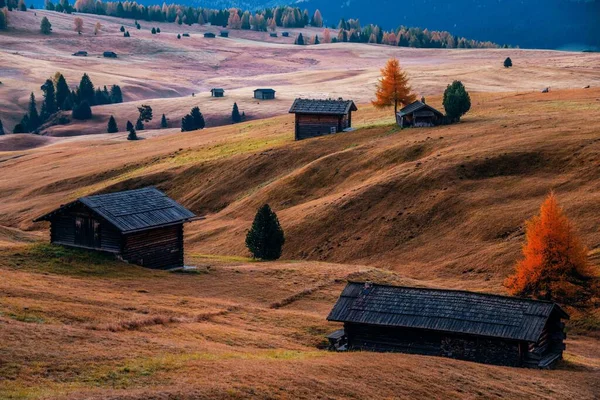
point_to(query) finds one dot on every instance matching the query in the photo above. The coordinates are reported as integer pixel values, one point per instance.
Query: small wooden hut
(264, 94)
(273, 34)
(210, 35)
(217, 92)
(142, 226)
(321, 117)
(224, 34)
(80, 53)
(285, 34)
(418, 114)
(452, 323)
(109, 54)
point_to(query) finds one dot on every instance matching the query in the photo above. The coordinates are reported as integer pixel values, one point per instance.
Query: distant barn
(110, 54)
(142, 226)
(321, 117)
(418, 114)
(80, 53)
(264, 94)
(186, 34)
(273, 34)
(285, 34)
(217, 92)
(210, 35)
(465, 325)
(224, 33)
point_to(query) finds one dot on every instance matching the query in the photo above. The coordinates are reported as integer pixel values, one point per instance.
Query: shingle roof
(336, 107)
(132, 210)
(217, 90)
(416, 106)
(444, 310)
(265, 90)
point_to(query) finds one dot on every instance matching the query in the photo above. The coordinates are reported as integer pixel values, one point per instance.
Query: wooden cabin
(186, 35)
(224, 34)
(452, 323)
(217, 92)
(418, 114)
(210, 35)
(143, 226)
(109, 54)
(264, 94)
(321, 117)
(273, 34)
(80, 53)
(285, 34)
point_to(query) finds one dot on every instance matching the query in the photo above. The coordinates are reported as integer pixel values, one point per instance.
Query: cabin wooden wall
(314, 125)
(155, 248)
(62, 230)
(264, 96)
(416, 341)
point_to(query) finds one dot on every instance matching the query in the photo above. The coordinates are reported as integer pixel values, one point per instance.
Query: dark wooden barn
(321, 117)
(264, 94)
(418, 114)
(465, 325)
(217, 92)
(142, 226)
(285, 34)
(224, 33)
(273, 34)
(109, 54)
(210, 35)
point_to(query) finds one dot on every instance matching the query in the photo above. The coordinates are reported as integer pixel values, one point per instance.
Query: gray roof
(444, 310)
(416, 106)
(217, 90)
(265, 90)
(132, 210)
(329, 107)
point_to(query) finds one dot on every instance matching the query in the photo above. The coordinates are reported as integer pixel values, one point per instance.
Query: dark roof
(217, 90)
(264, 90)
(444, 310)
(209, 34)
(337, 107)
(416, 106)
(132, 210)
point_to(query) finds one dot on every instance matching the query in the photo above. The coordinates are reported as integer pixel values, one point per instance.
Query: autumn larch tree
(393, 88)
(317, 19)
(265, 238)
(78, 25)
(554, 265)
(97, 28)
(45, 26)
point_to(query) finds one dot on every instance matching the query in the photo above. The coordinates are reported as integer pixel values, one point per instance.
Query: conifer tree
(187, 123)
(508, 63)
(316, 41)
(145, 114)
(1, 128)
(163, 122)
(112, 125)
(153, 31)
(116, 96)
(33, 118)
(317, 19)
(555, 264)
(132, 134)
(45, 26)
(86, 90)
(300, 40)
(82, 111)
(157, 30)
(3, 20)
(139, 125)
(393, 88)
(456, 101)
(22, 5)
(235, 114)
(62, 91)
(265, 238)
(122, 29)
(78, 22)
(49, 105)
(198, 118)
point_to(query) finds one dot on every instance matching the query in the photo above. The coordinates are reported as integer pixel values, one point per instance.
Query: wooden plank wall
(155, 248)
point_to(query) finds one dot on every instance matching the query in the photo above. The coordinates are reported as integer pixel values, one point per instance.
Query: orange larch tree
(393, 87)
(554, 265)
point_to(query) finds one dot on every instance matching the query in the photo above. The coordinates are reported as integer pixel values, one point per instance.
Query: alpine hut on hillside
(217, 92)
(210, 35)
(418, 114)
(142, 226)
(452, 323)
(264, 94)
(224, 34)
(109, 54)
(321, 117)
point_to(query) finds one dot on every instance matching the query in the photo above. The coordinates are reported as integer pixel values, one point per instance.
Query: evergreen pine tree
(265, 238)
(300, 39)
(22, 5)
(3, 20)
(115, 94)
(317, 39)
(187, 123)
(235, 114)
(1, 128)
(62, 91)
(163, 122)
(178, 36)
(145, 113)
(82, 111)
(86, 90)
(132, 134)
(153, 31)
(45, 26)
(456, 101)
(508, 63)
(49, 106)
(157, 30)
(33, 118)
(198, 118)
(112, 125)
(122, 29)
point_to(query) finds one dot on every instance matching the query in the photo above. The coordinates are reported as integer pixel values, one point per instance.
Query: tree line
(59, 97)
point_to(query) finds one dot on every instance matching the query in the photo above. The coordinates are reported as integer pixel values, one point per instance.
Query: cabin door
(87, 232)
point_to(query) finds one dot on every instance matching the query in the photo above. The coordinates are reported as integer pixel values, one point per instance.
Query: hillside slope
(446, 203)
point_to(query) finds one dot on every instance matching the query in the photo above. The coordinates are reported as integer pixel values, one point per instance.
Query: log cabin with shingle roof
(321, 117)
(418, 114)
(465, 325)
(143, 226)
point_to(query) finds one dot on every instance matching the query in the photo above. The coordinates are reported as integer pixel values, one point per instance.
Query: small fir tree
(116, 96)
(132, 134)
(163, 122)
(122, 29)
(1, 128)
(153, 31)
(157, 30)
(300, 40)
(187, 123)
(82, 111)
(112, 125)
(456, 101)
(62, 90)
(145, 113)
(265, 238)
(33, 118)
(86, 90)
(198, 118)
(49, 106)
(508, 63)
(235, 114)
(45, 26)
